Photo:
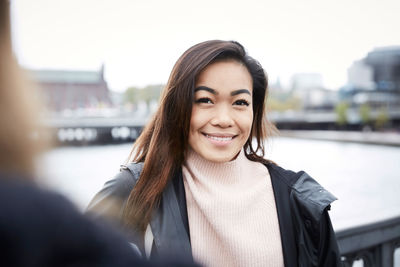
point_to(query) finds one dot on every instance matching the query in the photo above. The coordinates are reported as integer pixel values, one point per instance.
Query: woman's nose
(222, 117)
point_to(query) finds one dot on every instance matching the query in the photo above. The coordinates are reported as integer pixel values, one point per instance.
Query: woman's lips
(220, 139)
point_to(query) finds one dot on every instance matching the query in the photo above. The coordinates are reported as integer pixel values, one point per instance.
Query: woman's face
(222, 113)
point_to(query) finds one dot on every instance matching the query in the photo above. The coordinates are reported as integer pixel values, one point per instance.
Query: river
(364, 178)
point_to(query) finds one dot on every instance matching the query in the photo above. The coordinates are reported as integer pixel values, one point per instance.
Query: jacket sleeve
(317, 240)
(328, 253)
(110, 201)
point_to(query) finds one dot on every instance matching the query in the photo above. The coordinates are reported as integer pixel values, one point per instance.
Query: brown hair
(163, 142)
(17, 107)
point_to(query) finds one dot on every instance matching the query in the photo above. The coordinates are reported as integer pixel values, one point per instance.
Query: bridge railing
(374, 244)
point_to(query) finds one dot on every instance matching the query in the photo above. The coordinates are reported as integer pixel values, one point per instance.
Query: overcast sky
(140, 40)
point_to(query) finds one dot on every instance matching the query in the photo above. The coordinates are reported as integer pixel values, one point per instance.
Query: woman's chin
(219, 156)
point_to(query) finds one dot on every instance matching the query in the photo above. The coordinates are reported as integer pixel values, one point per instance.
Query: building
(375, 79)
(72, 89)
(361, 76)
(385, 62)
(310, 89)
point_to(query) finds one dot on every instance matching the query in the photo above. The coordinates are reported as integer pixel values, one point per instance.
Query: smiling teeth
(221, 139)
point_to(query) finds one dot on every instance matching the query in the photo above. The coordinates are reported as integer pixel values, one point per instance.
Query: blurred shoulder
(43, 228)
(109, 202)
(19, 193)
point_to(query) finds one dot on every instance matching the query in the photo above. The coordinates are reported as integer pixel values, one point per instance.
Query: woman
(198, 185)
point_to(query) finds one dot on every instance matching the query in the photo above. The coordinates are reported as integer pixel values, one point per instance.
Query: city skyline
(140, 41)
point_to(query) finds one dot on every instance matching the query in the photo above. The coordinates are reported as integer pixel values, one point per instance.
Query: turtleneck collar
(234, 172)
(223, 171)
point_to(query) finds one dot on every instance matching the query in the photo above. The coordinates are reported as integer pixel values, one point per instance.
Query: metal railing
(374, 243)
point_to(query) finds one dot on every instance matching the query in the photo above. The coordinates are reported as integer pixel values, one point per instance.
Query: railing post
(386, 255)
(375, 243)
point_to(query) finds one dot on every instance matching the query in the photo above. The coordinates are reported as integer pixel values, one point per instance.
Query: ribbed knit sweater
(232, 214)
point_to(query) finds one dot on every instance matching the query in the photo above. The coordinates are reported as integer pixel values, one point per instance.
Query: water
(365, 178)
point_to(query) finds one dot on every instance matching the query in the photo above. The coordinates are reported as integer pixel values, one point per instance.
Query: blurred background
(334, 87)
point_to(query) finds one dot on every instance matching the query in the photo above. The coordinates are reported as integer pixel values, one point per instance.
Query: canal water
(364, 178)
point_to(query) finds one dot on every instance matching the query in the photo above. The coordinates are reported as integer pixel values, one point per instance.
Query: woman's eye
(242, 102)
(205, 100)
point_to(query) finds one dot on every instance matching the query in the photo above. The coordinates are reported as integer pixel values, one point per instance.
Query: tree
(341, 113)
(365, 113)
(382, 118)
(133, 95)
(151, 93)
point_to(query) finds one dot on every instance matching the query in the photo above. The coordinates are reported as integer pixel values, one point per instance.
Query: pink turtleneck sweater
(232, 214)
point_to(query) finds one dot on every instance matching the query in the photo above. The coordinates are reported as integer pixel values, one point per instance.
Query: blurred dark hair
(164, 141)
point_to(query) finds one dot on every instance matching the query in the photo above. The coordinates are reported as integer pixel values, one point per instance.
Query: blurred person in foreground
(198, 184)
(38, 227)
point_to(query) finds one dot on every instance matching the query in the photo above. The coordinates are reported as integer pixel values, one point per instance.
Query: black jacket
(302, 205)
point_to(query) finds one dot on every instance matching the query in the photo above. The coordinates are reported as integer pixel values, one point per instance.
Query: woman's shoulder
(110, 200)
(303, 187)
(288, 177)
(123, 182)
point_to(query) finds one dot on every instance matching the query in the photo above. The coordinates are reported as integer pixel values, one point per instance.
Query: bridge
(98, 130)
(127, 127)
(327, 120)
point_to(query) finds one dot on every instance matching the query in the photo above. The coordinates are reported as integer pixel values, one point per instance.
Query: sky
(139, 41)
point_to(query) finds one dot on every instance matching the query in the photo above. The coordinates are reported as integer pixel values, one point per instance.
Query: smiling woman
(221, 117)
(197, 184)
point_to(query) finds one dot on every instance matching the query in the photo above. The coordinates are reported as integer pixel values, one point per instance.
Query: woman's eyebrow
(214, 92)
(240, 91)
(205, 88)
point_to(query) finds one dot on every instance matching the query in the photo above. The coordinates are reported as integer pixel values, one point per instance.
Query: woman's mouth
(219, 139)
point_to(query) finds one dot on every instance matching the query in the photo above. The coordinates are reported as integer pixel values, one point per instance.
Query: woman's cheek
(245, 120)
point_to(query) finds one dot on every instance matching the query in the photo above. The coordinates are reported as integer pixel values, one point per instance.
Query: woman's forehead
(225, 75)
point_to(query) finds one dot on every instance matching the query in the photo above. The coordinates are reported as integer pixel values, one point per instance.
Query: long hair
(18, 107)
(163, 142)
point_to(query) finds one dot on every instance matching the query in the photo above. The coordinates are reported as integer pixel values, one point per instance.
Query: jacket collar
(170, 235)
